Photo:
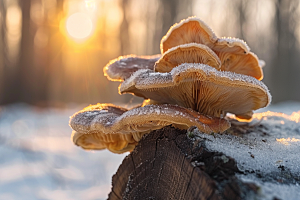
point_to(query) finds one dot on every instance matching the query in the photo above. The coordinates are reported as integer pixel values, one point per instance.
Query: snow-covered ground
(38, 160)
(268, 153)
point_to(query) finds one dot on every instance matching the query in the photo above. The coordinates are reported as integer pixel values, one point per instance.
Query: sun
(79, 25)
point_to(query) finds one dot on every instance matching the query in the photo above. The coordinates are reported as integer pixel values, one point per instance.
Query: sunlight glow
(79, 25)
(295, 116)
(13, 28)
(90, 5)
(287, 141)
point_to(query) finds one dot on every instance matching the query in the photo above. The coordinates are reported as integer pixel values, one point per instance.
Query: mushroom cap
(122, 67)
(234, 53)
(231, 45)
(201, 88)
(236, 57)
(107, 126)
(190, 30)
(187, 53)
(96, 140)
(247, 64)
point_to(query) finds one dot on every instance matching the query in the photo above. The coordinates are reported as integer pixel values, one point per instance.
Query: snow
(261, 154)
(39, 161)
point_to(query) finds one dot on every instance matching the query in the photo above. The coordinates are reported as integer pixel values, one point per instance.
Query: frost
(96, 112)
(201, 24)
(122, 63)
(260, 153)
(148, 79)
(261, 63)
(231, 41)
(230, 76)
(122, 67)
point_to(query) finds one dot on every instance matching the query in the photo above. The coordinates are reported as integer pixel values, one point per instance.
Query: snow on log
(257, 160)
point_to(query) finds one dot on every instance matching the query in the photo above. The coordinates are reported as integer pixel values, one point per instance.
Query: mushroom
(190, 30)
(201, 88)
(118, 129)
(232, 45)
(196, 73)
(247, 64)
(187, 53)
(122, 67)
(234, 53)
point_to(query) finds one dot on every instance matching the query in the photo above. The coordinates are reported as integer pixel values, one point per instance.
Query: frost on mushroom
(122, 67)
(247, 64)
(201, 88)
(190, 30)
(187, 53)
(196, 73)
(234, 53)
(117, 129)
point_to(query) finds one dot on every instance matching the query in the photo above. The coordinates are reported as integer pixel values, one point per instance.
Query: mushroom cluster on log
(119, 130)
(196, 81)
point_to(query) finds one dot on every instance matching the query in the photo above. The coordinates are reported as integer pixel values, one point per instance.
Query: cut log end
(168, 164)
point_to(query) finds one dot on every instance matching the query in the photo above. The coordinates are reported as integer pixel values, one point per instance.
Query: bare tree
(124, 33)
(285, 72)
(3, 51)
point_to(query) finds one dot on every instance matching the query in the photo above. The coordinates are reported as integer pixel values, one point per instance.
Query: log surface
(170, 164)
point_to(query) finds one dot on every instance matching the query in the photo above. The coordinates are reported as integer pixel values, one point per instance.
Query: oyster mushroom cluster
(196, 80)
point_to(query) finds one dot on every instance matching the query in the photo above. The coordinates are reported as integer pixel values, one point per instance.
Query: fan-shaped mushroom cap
(201, 88)
(233, 53)
(108, 126)
(231, 45)
(247, 64)
(187, 53)
(94, 140)
(122, 67)
(190, 30)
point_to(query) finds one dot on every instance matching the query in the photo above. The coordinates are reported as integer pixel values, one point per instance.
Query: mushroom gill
(117, 129)
(201, 88)
(122, 67)
(187, 53)
(234, 53)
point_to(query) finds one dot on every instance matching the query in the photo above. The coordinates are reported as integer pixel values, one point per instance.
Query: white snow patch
(261, 153)
(42, 162)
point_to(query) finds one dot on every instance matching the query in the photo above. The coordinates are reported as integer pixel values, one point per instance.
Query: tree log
(170, 164)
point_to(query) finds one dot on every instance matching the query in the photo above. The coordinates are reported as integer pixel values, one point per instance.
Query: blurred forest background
(44, 61)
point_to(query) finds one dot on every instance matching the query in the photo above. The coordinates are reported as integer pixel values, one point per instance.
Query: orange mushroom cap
(187, 53)
(234, 53)
(107, 126)
(201, 88)
(190, 30)
(247, 64)
(122, 67)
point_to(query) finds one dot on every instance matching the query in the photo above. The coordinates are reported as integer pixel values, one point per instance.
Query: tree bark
(167, 164)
